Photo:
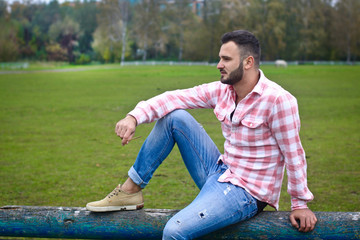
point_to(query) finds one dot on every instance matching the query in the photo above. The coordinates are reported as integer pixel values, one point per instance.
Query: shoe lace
(114, 192)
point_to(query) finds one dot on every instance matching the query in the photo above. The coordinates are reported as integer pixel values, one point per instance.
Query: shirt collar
(259, 87)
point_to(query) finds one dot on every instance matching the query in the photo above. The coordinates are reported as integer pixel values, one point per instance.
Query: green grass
(58, 147)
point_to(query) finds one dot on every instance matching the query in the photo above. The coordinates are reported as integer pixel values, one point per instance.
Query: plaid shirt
(261, 138)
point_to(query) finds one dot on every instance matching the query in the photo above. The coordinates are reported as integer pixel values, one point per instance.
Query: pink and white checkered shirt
(260, 140)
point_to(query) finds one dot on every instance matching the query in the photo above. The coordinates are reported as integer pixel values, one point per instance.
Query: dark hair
(247, 43)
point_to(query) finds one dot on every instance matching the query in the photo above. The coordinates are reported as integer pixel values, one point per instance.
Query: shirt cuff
(137, 115)
(298, 204)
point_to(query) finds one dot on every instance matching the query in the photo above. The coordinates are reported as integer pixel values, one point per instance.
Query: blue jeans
(218, 204)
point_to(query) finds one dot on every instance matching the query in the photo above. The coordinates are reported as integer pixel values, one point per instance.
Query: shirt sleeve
(202, 96)
(285, 125)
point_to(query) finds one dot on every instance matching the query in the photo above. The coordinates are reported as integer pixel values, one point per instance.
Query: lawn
(58, 147)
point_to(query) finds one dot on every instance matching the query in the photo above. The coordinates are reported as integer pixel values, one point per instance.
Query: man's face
(230, 65)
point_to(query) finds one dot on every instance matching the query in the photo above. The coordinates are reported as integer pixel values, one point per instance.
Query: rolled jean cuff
(136, 178)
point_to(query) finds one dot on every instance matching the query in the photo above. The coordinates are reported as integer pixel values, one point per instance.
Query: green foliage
(47, 15)
(58, 147)
(66, 33)
(106, 55)
(56, 53)
(177, 30)
(9, 47)
(83, 59)
(102, 45)
(85, 14)
(347, 39)
(3, 11)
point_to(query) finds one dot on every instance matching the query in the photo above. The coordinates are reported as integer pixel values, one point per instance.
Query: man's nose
(220, 65)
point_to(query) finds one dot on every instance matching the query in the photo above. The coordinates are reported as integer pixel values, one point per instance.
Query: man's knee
(177, 118)
(173, 230)
(179, 114)
(180, 117)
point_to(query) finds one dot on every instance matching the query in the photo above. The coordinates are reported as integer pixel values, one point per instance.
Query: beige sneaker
(117, 200)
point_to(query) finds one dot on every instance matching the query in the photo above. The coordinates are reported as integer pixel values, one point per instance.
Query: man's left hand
(306, 217)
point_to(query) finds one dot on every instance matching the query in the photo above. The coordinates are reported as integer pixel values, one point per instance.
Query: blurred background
(81, 32)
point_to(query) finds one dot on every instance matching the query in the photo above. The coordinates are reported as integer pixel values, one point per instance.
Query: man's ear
(249, 62)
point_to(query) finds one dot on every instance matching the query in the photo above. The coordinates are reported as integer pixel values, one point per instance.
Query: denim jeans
(218, 204)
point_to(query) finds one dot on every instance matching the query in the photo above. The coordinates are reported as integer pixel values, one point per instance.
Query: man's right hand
(125, 129)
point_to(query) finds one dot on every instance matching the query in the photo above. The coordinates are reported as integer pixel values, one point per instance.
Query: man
(260, 123)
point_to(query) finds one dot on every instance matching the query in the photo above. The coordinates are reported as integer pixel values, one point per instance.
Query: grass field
(58, 147)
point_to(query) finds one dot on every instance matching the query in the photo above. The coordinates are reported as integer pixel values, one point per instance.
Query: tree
(24, 14)
(122, 10)
(56, 53)
(34, 21)
(311, 32)
(84, 13)
(146, 27)
(66, 33)
(267, 21)
(9, 48)
(236, 14)
(153, 29)
(47, 15)
(3, 9)
(104, 47)
(178, 17)
(327, 51)
(346, 28)
(213, 16)
(111, 33)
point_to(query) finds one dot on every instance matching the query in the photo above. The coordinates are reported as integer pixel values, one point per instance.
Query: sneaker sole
(114, 208)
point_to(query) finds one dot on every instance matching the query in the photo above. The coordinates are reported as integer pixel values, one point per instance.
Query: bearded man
(260, 124)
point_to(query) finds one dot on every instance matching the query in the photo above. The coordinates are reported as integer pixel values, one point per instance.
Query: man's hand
(306, 217)
(125, 129)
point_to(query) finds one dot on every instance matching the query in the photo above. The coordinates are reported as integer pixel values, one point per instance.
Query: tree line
(176, 30)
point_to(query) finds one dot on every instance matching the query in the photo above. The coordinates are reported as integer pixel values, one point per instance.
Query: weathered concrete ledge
(72, 222)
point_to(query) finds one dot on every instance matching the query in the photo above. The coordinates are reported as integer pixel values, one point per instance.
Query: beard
(235, 76)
